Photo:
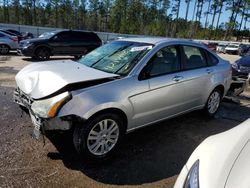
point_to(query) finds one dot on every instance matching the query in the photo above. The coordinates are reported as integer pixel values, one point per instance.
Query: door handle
(177, 78)
(209, 71)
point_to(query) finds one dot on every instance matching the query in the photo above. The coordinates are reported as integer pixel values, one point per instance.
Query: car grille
(22, 98)
(244, 69)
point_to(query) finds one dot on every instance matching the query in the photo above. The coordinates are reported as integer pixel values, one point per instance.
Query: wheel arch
(43, 46)
(221, 88)
(114, 110)
(6, 44)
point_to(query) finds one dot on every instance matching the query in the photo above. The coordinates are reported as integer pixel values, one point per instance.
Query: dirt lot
(150, 157)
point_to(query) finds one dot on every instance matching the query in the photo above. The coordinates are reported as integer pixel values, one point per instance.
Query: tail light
(15, 39)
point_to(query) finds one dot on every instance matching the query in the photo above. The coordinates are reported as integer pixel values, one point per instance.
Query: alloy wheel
(213, 102)
(103, 137)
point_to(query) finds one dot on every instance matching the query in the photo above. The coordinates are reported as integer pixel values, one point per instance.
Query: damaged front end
(43, 111)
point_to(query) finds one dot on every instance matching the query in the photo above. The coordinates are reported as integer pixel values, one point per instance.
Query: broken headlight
(48, 108)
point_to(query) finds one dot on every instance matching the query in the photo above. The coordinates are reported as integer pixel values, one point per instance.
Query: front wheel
(99, 137)
(213, 102)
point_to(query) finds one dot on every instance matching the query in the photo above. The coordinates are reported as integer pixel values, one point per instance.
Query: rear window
(211, 59)
(194, 57)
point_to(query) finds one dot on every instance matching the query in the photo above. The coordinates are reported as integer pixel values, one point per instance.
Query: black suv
(60, 42)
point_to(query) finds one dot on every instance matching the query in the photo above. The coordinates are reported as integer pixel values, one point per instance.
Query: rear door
(79, 44)
(85, 41)
(198, 75)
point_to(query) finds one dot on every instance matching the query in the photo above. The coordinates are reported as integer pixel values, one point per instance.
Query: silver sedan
(119, 87)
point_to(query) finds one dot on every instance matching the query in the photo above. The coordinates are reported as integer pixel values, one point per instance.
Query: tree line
(146, 17)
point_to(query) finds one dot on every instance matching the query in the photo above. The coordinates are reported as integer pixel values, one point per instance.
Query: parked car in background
(16, 33)
(219, 161)
(221, 48)
(212, 46)
(241, 67)
(7, 43)
(119, 87)
(243, 49)
(27, 35)
(20, 36)
(60, 42)
(232, 48)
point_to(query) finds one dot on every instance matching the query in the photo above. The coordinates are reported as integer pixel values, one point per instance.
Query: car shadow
(8, 70)
(29, 59)
(152, 153)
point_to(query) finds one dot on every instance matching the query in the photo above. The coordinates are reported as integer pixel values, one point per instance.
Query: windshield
(233, 46)
(117, 57)
(47, 35)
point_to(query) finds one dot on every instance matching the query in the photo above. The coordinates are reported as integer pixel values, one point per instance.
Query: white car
(232, 48)
(221, 161)
(221, 48)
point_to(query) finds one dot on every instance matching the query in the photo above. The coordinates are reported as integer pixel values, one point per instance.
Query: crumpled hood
(39, 80)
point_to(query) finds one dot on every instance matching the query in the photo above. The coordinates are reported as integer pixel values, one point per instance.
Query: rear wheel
(4, 49)
(99, 137)
(42, 54)
(213, 102)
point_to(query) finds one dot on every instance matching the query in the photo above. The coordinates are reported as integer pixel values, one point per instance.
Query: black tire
(4, 49)
(217, 95)
(82, 133)
(42, 54)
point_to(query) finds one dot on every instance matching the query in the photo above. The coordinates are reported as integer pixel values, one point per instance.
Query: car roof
(159, 40)
(61, 30)
(5, 34)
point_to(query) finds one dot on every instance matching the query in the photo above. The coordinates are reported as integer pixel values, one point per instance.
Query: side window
(211, 59)
(164, 61)
(1, 35)
(75, 36)
(63, 36)
(194, 58)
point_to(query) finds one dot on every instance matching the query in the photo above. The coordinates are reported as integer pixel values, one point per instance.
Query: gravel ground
(149, 157)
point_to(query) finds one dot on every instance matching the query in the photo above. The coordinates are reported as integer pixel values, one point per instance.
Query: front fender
(86, 106)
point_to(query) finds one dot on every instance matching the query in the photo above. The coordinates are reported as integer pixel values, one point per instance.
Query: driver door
(62, 43)
(166, 94)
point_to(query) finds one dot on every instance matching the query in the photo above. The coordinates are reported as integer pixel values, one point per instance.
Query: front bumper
(25, 52)
(40, 124)
(231, 51)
